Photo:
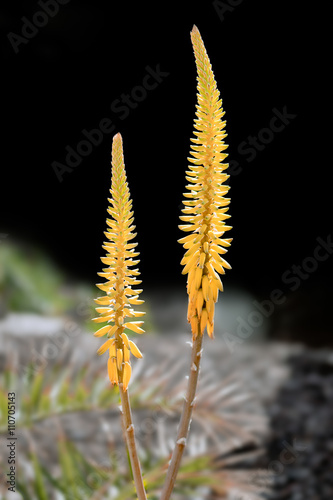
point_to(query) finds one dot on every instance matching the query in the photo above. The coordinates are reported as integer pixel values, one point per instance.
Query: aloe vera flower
(116, 306)
(206, 205)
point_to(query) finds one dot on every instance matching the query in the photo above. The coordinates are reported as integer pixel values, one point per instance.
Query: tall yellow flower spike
(206, 205)
(115, 306)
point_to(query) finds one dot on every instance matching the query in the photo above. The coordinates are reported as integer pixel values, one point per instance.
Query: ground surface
(265, 410)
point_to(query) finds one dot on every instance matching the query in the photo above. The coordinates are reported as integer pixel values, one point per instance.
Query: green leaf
(40, 488)
(36, 390)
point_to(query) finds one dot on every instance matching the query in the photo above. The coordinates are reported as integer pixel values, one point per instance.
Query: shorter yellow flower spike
(119, 287)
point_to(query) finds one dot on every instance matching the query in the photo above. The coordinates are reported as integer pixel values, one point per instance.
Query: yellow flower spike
(205, 215)
(205, 204)
(119, 275)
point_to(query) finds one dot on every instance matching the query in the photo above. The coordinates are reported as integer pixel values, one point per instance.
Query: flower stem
(185, 419)
(130, 440)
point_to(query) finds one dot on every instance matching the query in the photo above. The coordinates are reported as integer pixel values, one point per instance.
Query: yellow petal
(107, 260)
(126, 375)
(189, 252)
(211, 270)
(105, 287)
(103, 319)
(188, 238)
(120, 320)
(205, 287)
(126, 353)
(218, 283)
(103, 310)
(192, 262)
(119, 358)
(134, 326)
(210, 329)
(125, 340)
(112, 371)
(135, 350)
(191, 309)
(199, 302)
(105, 346)
(225, 264)
(102, 331)
(190, 279)
(204, 319)
(202, 259)
(112, 350)
(135, 301)
(215, 290)
(103, 300)
(139, 313)
(198, 277)
(217, 266)
(194, 326)
(210, 305)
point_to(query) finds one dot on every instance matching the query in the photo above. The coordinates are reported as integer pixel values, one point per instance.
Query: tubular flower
(116, 305)
(205, 204)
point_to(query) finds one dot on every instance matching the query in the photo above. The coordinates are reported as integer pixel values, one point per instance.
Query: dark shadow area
(300, 456)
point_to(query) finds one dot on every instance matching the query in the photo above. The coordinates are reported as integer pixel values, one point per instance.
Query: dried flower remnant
(116, 305)
(206, 205)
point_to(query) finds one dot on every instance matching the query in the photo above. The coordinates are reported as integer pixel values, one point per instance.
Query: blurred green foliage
(31, 282)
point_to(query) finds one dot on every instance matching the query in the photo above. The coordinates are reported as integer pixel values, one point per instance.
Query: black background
(265, 55)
